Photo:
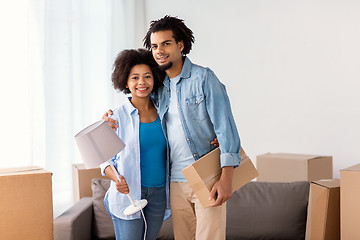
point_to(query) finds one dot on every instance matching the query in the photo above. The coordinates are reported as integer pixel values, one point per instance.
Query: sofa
(258, 210)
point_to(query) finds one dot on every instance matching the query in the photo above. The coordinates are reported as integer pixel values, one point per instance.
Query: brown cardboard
(323, 219)
(285, 167)
(203, 173)
(350, 203)
(26, 210)
(82, 180)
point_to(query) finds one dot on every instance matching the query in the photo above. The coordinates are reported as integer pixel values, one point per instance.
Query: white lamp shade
(98, 143)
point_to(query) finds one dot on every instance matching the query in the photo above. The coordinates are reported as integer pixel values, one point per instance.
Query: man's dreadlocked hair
(180, 32)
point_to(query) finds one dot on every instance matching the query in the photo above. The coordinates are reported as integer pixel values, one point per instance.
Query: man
(194, 108)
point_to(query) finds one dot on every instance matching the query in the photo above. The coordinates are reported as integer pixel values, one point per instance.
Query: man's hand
(223, 187)
(122, 185)
(112, 123)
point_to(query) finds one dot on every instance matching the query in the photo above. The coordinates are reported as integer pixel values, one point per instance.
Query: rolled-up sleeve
(219, 109)
(106, 164)
(103, 166)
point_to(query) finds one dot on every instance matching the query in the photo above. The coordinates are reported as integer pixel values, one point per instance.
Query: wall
(291, 69)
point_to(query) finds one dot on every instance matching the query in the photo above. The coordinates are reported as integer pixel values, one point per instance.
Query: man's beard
(165, 67)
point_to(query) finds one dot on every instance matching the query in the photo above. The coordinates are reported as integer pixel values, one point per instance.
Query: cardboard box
(350, 203)
(82, 180)
(323, 219)
(26, 210)
(203, 173)
(284, 167)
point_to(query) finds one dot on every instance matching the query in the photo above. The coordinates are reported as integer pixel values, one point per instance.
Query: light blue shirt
(205, 113)
(127, 162)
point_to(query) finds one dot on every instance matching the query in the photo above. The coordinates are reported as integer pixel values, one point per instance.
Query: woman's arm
(121, 185)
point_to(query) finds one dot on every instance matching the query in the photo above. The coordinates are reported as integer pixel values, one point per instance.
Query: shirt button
(177, 91)
(187, 139)
(182, 122)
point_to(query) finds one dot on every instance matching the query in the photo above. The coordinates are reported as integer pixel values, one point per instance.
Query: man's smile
(162, 58)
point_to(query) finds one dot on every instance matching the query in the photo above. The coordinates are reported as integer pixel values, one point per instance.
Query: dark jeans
(154, 215)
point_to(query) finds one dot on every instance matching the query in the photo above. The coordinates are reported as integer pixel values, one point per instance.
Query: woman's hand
(112, 123)
(122, 186)
(215, 142)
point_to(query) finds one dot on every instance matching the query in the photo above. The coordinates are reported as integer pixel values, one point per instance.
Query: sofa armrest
(75, 223)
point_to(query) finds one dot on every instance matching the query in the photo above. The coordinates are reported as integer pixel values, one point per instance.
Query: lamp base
(134, 208)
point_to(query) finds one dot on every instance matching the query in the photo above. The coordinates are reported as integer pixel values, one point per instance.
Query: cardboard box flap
(81, 166)
(328, 183)
(207, 173)
(292, 156)
(203, 173)
(352, 168)
(22, 170)
(211, 173)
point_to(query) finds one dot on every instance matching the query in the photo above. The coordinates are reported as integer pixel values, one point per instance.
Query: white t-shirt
(180, 155)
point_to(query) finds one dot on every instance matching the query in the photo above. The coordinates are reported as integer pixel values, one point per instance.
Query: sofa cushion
(262, 210)
(103, 227)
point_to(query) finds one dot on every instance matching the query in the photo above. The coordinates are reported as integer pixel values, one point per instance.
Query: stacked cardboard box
(82, 180)
(350, 203)
(285, 167)
(323, 220)
(26, 204)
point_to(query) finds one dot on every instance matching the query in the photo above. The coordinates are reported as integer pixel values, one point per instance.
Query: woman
(143, 163)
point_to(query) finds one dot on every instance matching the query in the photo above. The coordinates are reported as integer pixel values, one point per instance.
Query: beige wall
(291, 69)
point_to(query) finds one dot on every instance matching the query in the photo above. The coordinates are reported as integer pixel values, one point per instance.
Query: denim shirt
(205, 113)
(127, 162)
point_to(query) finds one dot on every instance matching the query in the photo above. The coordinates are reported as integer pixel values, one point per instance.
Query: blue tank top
(152, 154)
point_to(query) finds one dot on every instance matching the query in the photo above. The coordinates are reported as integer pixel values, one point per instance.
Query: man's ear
(181, 45)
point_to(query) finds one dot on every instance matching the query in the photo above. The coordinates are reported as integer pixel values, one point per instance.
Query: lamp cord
(142, 213)
(118, 177)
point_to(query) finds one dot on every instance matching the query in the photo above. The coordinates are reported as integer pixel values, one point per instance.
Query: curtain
(58, 62)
